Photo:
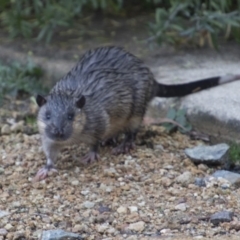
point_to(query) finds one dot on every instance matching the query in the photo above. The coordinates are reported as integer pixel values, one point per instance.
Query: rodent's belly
(115, 127)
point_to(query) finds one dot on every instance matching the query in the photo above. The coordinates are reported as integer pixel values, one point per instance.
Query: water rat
(105, 94)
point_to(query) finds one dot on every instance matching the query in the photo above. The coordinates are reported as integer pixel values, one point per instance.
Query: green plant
(24, 17)
(177, 120)
(234, 152)
(196, 21)
(176, 21)
(31, 121)
(20, 79)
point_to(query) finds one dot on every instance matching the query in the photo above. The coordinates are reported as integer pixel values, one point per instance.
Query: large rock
(210, 155)
(233, 178)
(219, 217)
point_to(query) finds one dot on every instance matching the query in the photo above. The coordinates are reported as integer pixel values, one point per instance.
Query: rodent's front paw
(43, 173)
(90, 158)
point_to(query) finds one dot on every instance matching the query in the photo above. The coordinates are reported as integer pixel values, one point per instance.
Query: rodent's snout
(57, 133)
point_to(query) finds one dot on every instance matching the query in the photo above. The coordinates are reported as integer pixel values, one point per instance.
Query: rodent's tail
(180, 90)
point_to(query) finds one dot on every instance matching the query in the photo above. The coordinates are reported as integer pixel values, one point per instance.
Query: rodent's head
(60, 116)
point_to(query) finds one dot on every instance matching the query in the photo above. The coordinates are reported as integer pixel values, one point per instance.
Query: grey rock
(217, 154)
(59, 234)
(200, 182)
(233, 178)
(3, 232)
(103, 209)
(3, 213)
(88, 204)
(219, 217)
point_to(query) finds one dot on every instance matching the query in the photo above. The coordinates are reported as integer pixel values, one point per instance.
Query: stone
(181, 207)
(233, 178)
(88, 204)
(3, 213)
(219, 217)
(8, 227)
(17, 127)
(3, 232)
(108, 189)
(84, 193)
(184, 178)
(5, 129)
(166, 182)
(168, 167)
(137, 227)
(77, 228)
(110, 172)
(122, 210)
(200, 182)
(102, 228)
(141, 204)
(209, 155)
(234, 225)
(59, 234)
(165, 231)
(75, 182)
(103, 209)
(133, 209)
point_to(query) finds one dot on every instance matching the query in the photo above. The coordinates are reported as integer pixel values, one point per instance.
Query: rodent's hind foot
(109, 142)
(123, 148)
(90, 158)
(43, 173)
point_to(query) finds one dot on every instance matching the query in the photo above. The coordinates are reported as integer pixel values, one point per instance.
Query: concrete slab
(215, 111)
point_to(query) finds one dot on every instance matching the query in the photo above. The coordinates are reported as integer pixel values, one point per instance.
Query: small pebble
(5, 129)
(17, 127)
(181, 207)
(138, 226)
(184, 178)
(85, 192)
(122, 210)
(88, 204)
(3, 232)
(133, 209)
(75, 182)
(8, 227)
(200, 182)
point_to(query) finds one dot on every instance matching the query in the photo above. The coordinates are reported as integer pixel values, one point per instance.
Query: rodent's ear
(80, 102)
(40, 100)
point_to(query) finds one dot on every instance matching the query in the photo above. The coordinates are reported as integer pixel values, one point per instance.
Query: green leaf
(171, 114)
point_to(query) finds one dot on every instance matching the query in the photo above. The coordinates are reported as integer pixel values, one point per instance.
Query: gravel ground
(149, 194)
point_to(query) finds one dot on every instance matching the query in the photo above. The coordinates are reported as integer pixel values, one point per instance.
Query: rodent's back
(114, 79)
(97, 63)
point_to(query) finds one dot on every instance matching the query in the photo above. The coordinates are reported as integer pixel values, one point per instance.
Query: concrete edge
(202, 121)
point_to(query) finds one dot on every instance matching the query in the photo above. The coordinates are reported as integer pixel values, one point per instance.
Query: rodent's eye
(70, 116)
(48, 116)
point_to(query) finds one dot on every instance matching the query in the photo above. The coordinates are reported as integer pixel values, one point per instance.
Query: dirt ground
(135, 196)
